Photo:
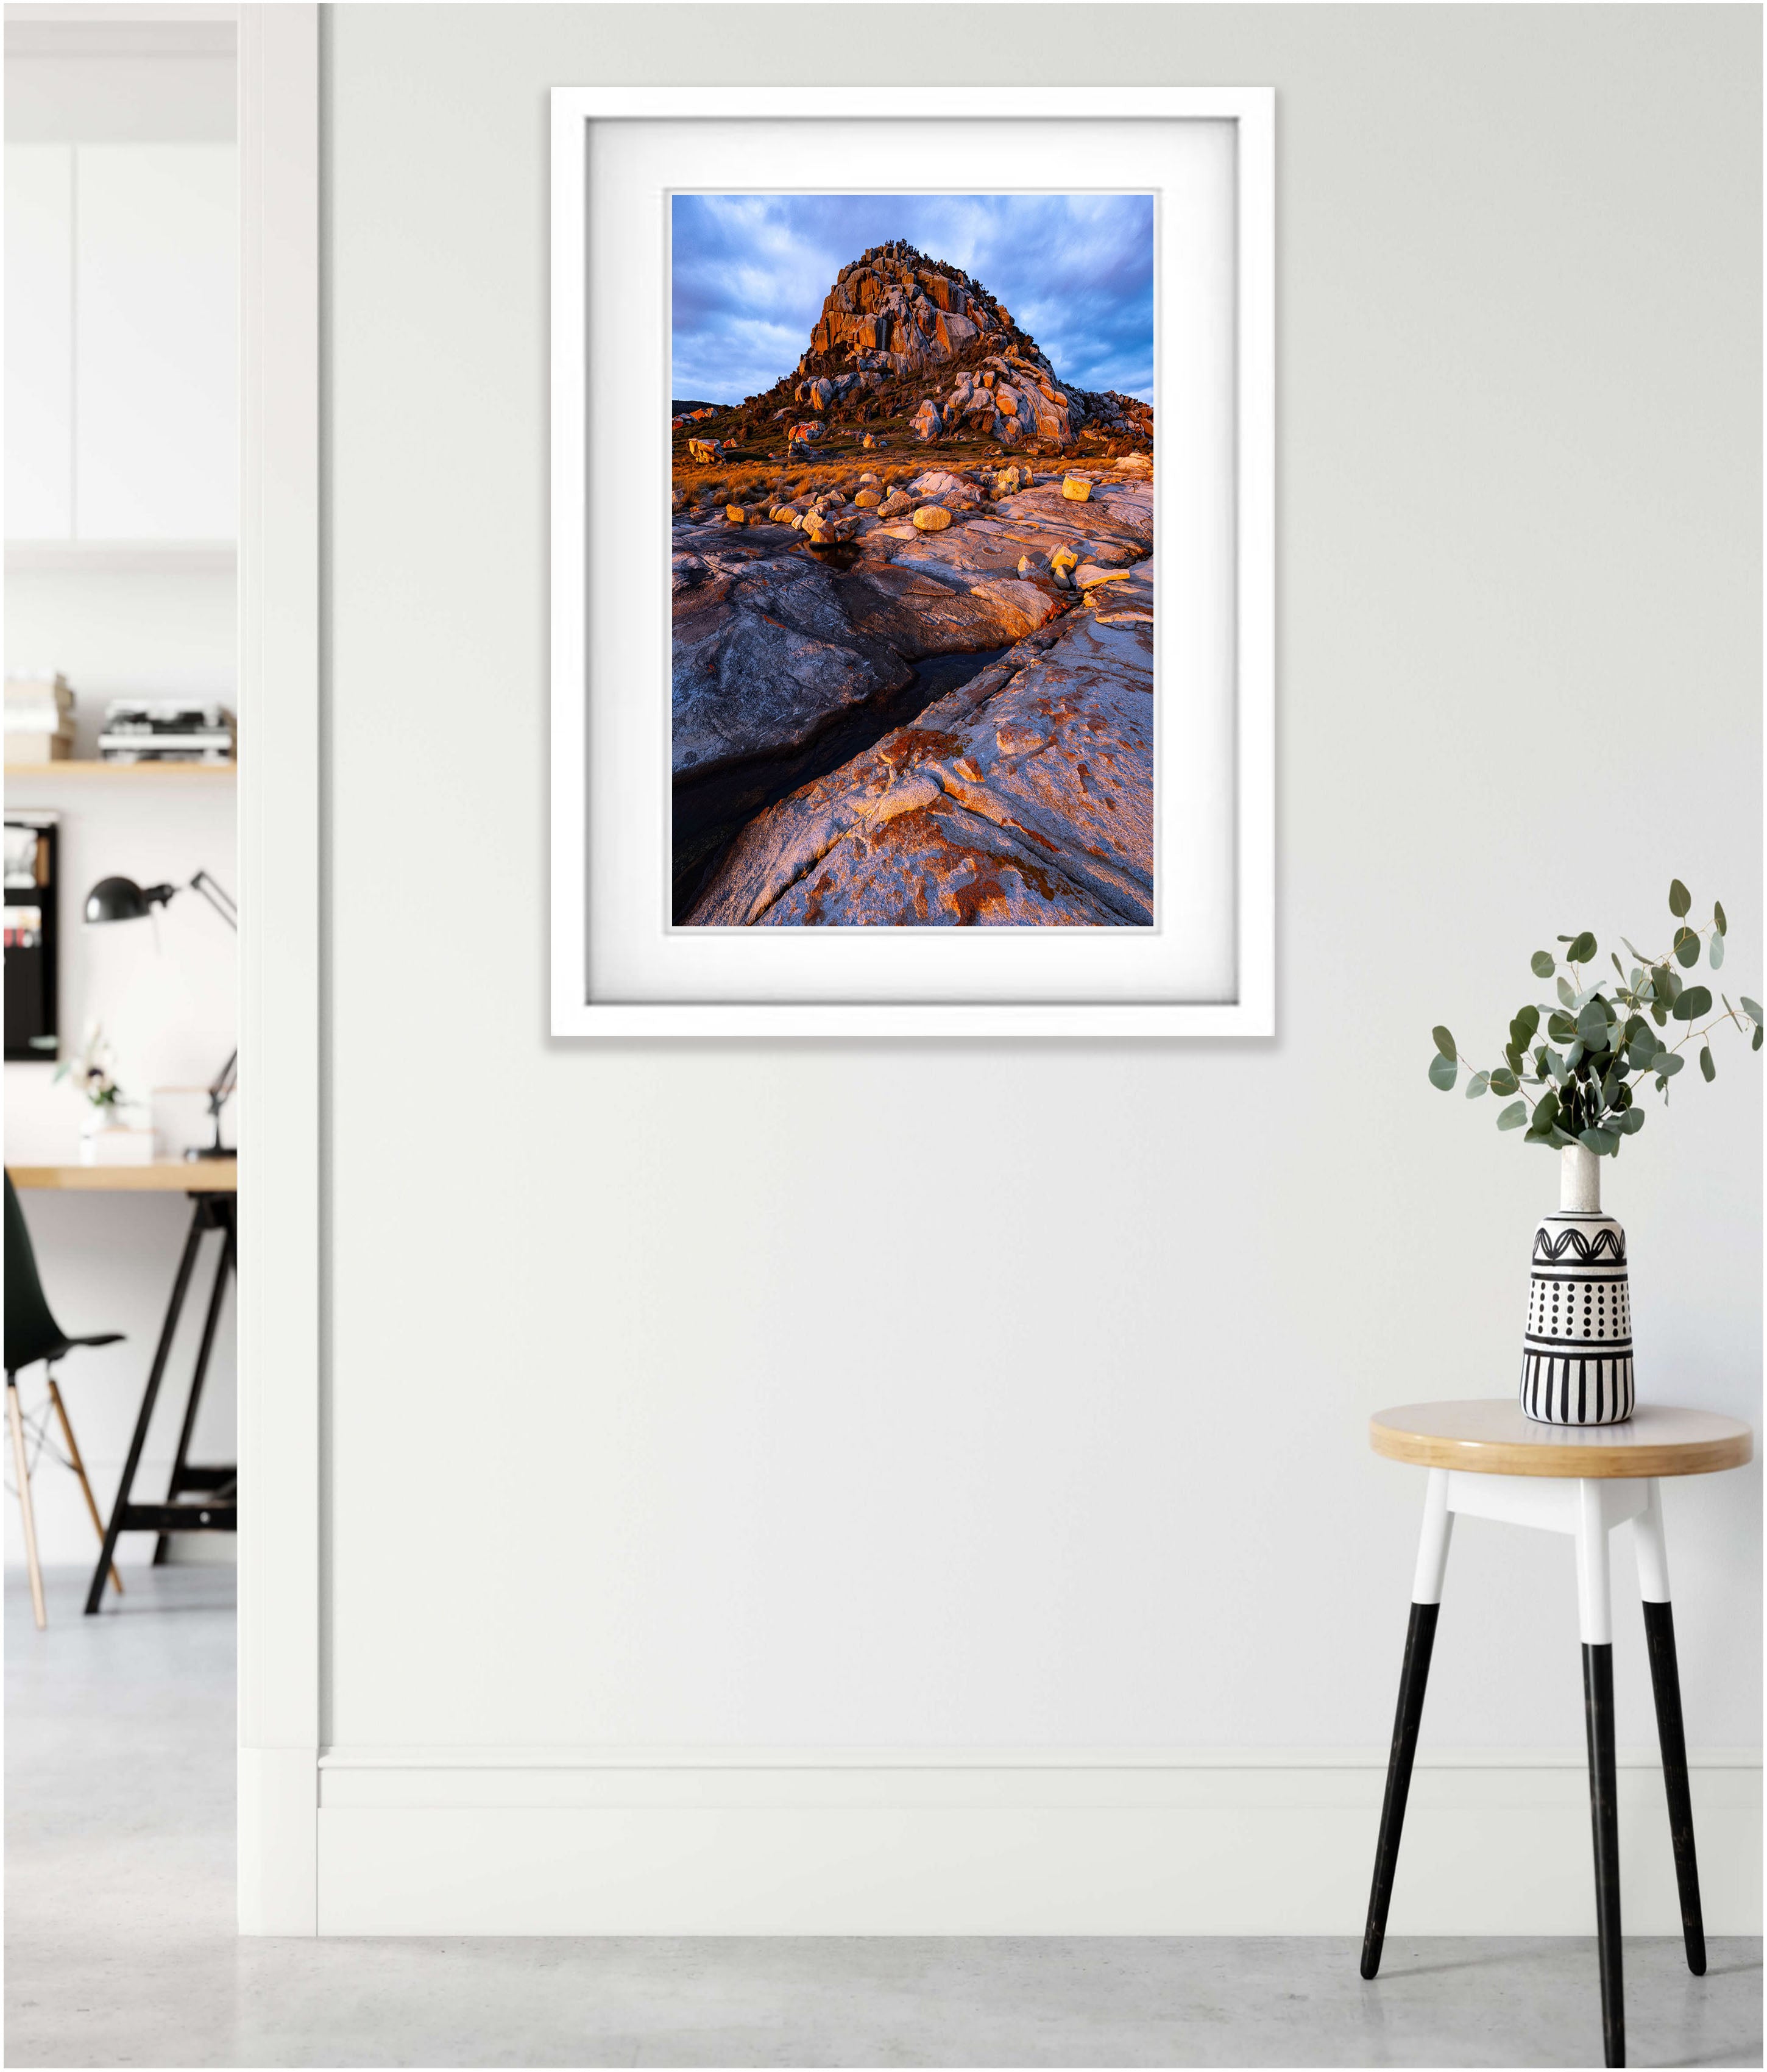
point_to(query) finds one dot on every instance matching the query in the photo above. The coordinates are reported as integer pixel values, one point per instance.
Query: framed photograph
(912, 562)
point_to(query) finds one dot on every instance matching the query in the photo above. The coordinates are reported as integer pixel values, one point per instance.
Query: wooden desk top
(165, 1176)
(1496, 1438)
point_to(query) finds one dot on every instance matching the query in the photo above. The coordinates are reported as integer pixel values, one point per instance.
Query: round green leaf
(1479, 1083)
(1694, 1000)
(1642, 1050)
(1504, 1082)
(1680, 898)
(1600, 1141)
(1444, 1042)
(1513, 1116)
(1667, 1063)
(1715, 949)
(1751, 1008)
(1686, 948)
(1631, 1122)
(1718, 920)
(1546, 1110)
(1442, 1071)
(1541, 964)
(1592, 1026)
(1582, 950)
(1526, 1026)
(1707, 1069)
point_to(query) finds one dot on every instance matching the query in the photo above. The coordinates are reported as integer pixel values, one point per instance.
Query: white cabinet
(155, 386)
(132, 407)
(39, 341)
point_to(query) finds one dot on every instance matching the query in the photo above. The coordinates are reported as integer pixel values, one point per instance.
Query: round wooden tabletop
(1489, 1437)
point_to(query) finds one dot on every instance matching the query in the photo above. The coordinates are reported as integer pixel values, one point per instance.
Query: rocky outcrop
(904, 338)
(895, 308)
(1025, 797)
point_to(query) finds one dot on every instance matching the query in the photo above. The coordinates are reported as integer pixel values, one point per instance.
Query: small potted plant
(1578, 1087)
(108, 1112)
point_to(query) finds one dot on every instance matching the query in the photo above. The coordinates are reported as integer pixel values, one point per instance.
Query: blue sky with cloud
(751, 271)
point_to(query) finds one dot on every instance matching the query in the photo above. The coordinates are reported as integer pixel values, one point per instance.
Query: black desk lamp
(122, 900)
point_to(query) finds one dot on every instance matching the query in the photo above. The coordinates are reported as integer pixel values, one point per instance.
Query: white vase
(1576, 1352)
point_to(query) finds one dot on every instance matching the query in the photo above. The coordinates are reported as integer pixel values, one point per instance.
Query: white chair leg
(21, 1467)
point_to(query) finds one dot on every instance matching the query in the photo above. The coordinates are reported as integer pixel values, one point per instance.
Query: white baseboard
(441, 1842)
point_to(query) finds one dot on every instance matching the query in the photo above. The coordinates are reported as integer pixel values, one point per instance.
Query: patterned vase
(1577, 1353)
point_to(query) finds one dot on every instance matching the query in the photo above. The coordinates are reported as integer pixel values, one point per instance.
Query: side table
(1488, 1460)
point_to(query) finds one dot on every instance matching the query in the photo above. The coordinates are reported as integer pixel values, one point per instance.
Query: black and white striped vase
(1577, 1354)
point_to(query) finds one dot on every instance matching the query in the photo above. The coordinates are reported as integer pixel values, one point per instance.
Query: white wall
(897, 1397)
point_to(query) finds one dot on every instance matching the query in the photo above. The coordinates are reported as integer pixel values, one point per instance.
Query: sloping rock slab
(765, 653)
(1024, 798)
(1117, 515)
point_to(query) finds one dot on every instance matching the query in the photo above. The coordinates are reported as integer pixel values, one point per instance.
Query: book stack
(39, 720)
(165, 730)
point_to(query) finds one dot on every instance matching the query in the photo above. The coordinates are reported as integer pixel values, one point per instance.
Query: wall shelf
(82, 769)
(109, 556)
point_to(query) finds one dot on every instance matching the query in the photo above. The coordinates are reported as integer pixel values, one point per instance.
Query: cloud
(750, 273)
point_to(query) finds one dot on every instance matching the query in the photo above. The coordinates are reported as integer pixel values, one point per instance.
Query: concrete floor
(121, 1950)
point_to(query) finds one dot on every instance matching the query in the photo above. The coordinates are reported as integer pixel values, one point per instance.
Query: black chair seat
(64, 1346)
(32, 1333)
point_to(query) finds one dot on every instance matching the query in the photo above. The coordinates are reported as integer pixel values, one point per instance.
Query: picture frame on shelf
(1131, 893)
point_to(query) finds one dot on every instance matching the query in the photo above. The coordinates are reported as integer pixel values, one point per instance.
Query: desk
(211, 1185)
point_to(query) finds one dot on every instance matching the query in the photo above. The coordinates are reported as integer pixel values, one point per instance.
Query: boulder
(868, 499)
(735, 514)
(704, 451)
(932, 518)
(1076, 489)
(807, 433)
(765, 653)
(1025, 797)
(949, 489)
(895, 503)
(926, 423)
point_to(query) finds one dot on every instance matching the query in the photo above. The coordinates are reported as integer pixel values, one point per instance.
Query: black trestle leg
(1659, 1633)
(1605, 1821)
(1419, 1639)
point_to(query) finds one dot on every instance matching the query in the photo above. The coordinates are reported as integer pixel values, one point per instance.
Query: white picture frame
(1239, 998)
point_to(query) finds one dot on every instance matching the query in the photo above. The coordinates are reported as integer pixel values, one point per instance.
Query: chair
(33, 1334)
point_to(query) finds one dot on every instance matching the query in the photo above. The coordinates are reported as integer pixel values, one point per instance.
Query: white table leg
(1433, 1541)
